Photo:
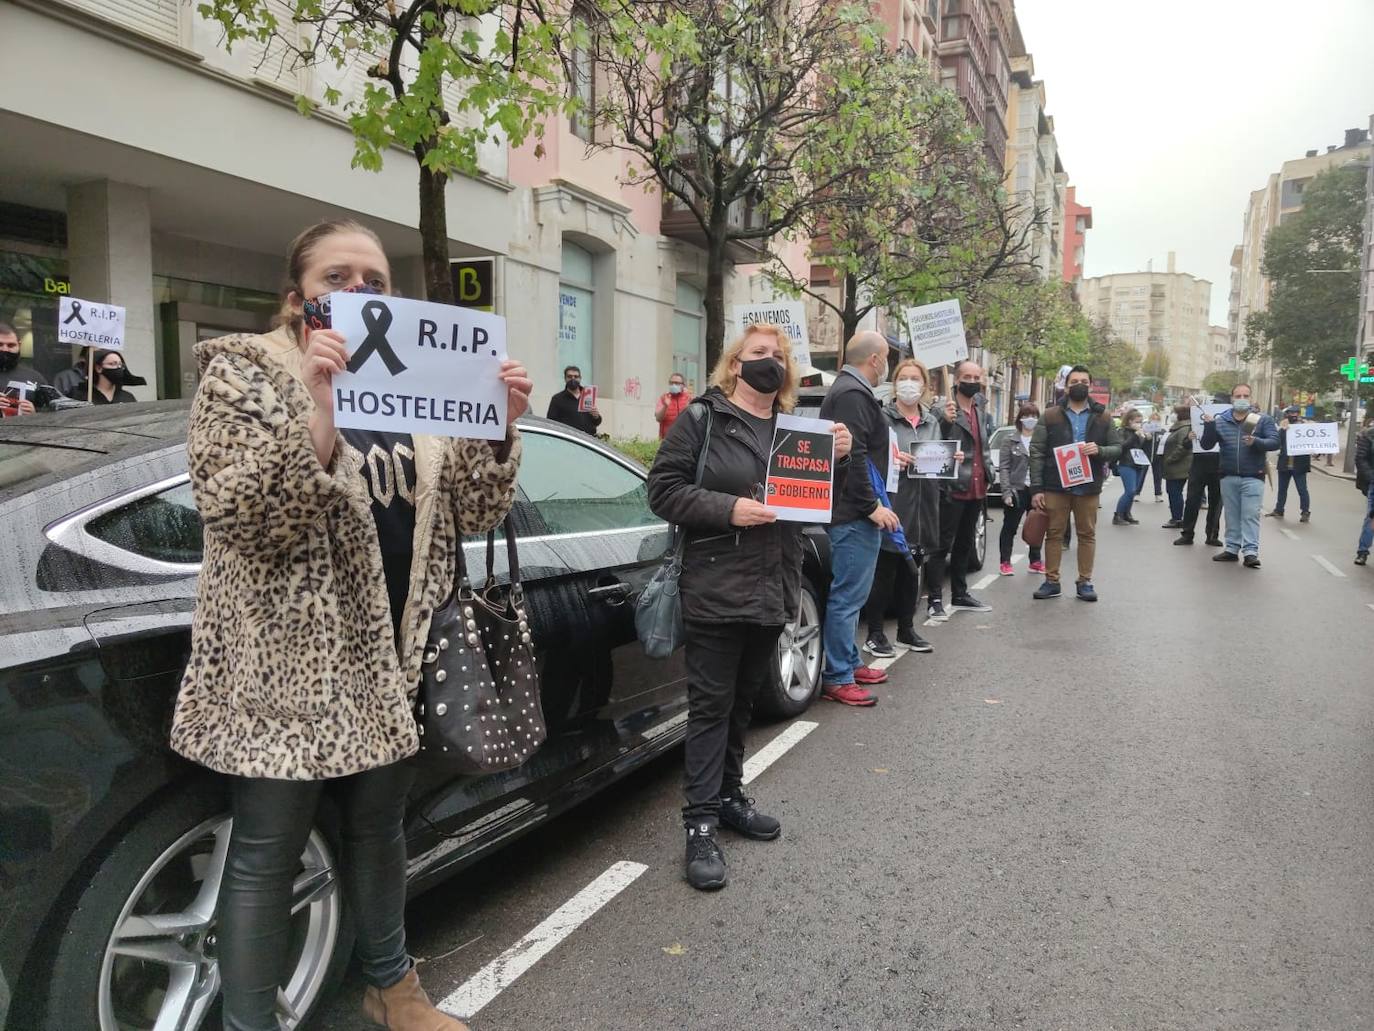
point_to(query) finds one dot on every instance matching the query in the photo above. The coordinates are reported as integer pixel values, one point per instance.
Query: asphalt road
(1152, 813)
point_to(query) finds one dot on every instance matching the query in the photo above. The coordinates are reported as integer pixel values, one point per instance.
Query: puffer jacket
(1237, 457)
(917, 501)
(1364, 459)
(1178, 451)
(295, 670)
(730, 574)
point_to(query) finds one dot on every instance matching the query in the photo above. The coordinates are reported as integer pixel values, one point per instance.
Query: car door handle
(612, 593)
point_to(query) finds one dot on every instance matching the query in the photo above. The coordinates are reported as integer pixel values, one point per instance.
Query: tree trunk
(434, 235)
(715, 289)
(1012, 403)
(850, 318)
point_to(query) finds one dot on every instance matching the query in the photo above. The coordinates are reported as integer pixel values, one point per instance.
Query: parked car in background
(111, 846)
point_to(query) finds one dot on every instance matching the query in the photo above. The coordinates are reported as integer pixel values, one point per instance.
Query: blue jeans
(1242, 497)
(853, 558)
(1175, 489)
(1366, 534)
(1300, 480)
(1130, 487)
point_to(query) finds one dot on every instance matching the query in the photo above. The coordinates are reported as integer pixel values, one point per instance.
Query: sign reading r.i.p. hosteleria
(417, 367)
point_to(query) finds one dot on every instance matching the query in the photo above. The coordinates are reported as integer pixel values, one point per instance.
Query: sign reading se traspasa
(801, 469)
(90, 323)
(418, 367)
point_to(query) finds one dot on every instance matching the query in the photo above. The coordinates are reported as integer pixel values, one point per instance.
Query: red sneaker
(869, 675)
(1037, 567)
(848, 694)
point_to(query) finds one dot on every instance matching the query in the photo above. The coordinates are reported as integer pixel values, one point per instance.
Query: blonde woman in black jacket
(741, 579)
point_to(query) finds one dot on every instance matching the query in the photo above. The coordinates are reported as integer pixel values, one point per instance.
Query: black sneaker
(1306, 517)
(1172, 524)
(1215, 542)
(738, 813)
(908, 638)
(1361, 558)
(1276, 514)
(1252, 562)
(1119, 520)
(968, 603)
(879, 646)
(1048, 589)
(1184, 540)
(705, 869)
(1132, 520)
(1225, 556)
(936, 613)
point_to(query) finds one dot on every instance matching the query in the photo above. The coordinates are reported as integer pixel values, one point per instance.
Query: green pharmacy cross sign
(1348, 370)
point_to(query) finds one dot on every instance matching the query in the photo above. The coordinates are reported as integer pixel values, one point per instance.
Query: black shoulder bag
(658, 613)
(478, 706)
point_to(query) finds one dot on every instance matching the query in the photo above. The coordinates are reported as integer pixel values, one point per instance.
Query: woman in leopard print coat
(320, 575)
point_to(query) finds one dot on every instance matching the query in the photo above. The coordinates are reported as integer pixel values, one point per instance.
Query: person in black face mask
(563, 406)
(741, 577)
(17, 380)
(112, 376)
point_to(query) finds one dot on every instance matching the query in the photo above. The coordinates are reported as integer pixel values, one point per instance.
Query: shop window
(689, 335)
(576, 299)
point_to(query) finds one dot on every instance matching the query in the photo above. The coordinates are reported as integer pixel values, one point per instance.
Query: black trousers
(892, 584)
(1011, 519)
(272, 820)
(726, 665)
(1210, 483)
(958, 524)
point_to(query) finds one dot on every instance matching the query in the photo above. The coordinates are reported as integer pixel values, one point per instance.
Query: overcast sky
(1169, 113)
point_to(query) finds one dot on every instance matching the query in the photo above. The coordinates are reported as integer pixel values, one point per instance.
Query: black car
(111, 846)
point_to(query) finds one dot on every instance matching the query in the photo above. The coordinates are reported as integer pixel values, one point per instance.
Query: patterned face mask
(315, 310)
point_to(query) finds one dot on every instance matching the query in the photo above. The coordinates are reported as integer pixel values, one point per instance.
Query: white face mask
(674, 388)
(1029, 423)
(909, 390)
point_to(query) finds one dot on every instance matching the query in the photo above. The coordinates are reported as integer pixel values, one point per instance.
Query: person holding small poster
(740, 581)
(1070, 450)
(312, 618)
(566, 406)
(12, 370)
(1292, 469)
(1132, 467)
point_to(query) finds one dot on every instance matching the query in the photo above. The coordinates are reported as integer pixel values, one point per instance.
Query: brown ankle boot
(405, 1007)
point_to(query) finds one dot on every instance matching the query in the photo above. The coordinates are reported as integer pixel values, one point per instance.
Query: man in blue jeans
(857, 519)
(1245, 437)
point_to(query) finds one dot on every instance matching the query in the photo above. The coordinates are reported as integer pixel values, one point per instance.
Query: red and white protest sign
(1074, 467)
(586, 400)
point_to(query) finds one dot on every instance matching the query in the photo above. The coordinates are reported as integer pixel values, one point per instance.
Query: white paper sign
(1138, 457)
(894, 468)
(90, 323)
(934, 460)
(789, 315)
(418, 367)
(1314, 438)
(1195, 413)
(936, 332)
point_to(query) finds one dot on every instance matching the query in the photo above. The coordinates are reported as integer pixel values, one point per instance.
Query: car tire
(978, 555)
(119, 962)
(794, 678)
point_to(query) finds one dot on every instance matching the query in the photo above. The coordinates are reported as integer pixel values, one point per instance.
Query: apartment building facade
(1158, 311)
(975, 63)
(1279, 199)
(1078, 219)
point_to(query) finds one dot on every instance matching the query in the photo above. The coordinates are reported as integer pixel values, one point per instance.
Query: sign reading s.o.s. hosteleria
(90, 323)
(1313, 438)
(418, 367)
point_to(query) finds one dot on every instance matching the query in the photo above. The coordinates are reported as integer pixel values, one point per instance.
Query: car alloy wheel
(799, 651)
(161, 969)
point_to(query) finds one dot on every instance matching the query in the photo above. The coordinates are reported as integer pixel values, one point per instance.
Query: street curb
(1333, 472)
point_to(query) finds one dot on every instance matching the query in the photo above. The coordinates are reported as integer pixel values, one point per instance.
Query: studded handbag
(478, 709)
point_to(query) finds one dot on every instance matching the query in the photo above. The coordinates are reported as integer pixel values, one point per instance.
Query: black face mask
(970, 389)
(115, 376)
(9, 360)
(1078, 392)
(763, 374)
(574, 385)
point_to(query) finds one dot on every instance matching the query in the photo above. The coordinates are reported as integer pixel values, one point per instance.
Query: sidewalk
(1335, 469)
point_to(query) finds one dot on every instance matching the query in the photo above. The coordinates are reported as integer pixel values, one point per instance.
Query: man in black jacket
(857, 519)
(1204, 479)
(1079, 420)
(1292, 469)
(1364, 482)
(563, 406)
(17, 380)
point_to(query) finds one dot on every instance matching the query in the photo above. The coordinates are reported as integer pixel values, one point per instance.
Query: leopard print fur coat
(295, 672)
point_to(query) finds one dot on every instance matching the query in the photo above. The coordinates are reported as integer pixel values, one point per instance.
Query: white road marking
(1328, 567)
(775, 749)
(1371, 605)
(884, 662)
(982, 584)
(502, 972)
(1017, 558)
(1288, 533)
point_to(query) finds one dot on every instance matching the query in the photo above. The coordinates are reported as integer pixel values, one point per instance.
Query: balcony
(678, 223)
(963, 33)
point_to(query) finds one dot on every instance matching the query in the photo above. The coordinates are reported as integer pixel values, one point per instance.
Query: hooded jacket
(295, 670)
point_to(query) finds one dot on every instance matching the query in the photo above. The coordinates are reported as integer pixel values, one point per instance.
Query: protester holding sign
(565, 406)
(16, 378)
(1245, 437)
(1132, 467)
(112, 377)
(1204, 481)
(740, 582)
(1292, 469)
(1082, 421)
(313, 612)
(917, 504)
(671, 404)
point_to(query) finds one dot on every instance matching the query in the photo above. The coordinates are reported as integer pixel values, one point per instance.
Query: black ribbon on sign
(377, 319)
(76, 314)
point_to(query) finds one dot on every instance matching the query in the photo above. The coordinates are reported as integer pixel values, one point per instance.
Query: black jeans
(1011, 519)
(958, 524)
(892, 583)
(272, 820)
(726, 665)
(1210, 483)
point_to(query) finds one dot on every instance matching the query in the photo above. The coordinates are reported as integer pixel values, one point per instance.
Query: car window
(163, 526)
(573, 488)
